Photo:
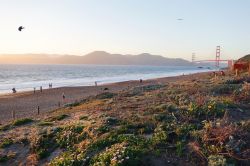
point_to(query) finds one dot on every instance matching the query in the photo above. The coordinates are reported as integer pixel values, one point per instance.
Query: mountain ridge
(96, 57)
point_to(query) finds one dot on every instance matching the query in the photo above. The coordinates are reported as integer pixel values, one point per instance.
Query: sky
(127, 27)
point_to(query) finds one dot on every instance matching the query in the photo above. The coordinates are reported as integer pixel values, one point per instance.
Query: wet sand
(25, 103)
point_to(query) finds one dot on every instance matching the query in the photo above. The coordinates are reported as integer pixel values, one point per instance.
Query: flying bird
(180, 19)
(20, 28)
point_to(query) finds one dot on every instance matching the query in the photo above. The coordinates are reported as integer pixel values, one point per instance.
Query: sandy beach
(25, 104)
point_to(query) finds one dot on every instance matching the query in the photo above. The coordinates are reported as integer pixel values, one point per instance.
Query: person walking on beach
(95, 83)
(34, 89)
(50, 85)
(41, 89)
(63, 96)
(13, 90)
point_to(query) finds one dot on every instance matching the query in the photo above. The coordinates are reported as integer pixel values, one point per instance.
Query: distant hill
(246, 58)
(97, 57)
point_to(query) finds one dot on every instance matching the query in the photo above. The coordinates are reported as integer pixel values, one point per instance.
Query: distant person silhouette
(20, 28)
(13, 90)
(222, 73)
(50, 85)
(63, 96)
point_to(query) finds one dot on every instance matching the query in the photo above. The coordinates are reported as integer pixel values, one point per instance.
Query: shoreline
(100, 83)
(25, 103)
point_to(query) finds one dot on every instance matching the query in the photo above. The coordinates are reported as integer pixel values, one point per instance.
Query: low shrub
(111, 121)
(238, 80)
(70, 135)
(216, 160)
(5, 127)
(161, 107)
(58, 117)
(105, 95)
(43, 145)
(211, 109)
(160, 136)
(6, 142)
(114, 138)
(84, 117)
(171, 108)
(136, 128)
(73, 104)
(20, 122)
(117, 155)
(3, 158)
(148, 88)
(183, 131)
(103, 129)
(45, 123)
(225, 88)
(164, 117)
(179, 148)
(69, 158)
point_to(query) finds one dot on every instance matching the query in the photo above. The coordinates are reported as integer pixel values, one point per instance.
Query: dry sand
(25, 104)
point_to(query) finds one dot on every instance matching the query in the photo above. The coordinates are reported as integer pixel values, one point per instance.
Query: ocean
(26, 77)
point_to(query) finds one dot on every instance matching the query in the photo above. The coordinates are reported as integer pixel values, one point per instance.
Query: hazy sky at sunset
(126, 27)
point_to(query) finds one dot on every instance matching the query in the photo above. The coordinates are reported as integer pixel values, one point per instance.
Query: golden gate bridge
(217, 59)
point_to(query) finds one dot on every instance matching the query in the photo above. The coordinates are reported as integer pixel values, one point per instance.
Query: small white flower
(127, 157)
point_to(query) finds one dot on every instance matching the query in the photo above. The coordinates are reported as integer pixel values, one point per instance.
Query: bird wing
(20, 28)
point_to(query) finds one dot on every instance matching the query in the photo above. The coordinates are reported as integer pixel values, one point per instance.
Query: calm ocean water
(26, 77)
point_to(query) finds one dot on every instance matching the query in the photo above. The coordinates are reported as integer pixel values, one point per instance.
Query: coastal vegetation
(198, 121)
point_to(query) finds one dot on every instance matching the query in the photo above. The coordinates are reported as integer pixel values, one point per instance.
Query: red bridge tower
(217, 58)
